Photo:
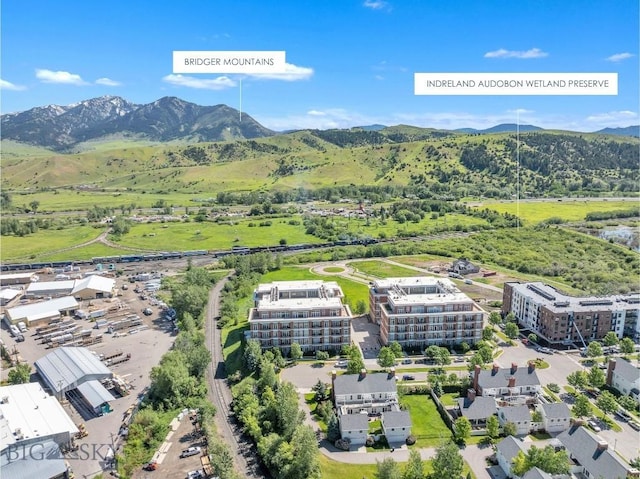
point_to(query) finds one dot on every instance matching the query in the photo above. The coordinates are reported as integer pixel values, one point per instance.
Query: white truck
(22, 327)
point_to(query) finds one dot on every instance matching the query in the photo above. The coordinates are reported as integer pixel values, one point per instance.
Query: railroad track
(220, 395)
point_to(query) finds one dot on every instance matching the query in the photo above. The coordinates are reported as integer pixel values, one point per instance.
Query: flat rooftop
(27, 408)
(299, 304)
(559, 302)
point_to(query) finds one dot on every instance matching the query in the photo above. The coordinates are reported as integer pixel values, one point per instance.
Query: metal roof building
(50, 288)
(42, 310)
(29, 416)
(43, 460)
(96, 395)
(64, 369)
(94, 286)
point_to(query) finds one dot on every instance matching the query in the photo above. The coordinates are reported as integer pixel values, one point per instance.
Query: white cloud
(378, 77)
(502, 53)
(66, 78)
(219, 83)
(448, 120)
(7, 85)
(613, 118)
(107, 82)
(291, 73)
(375, 4)
(618, 57)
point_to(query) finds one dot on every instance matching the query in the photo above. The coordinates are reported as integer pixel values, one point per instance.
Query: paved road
(245, 457)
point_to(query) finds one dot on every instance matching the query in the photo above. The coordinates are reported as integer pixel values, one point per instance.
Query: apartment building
(421, 311)
(562, 319)
(310, 313)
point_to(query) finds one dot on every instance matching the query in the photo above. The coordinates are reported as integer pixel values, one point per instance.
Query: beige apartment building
(310, 313)
(423, 311)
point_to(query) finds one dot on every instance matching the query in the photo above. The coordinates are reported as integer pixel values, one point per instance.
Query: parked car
(192, 451)
(150, 466)
(19, 338)
(635, 425)
(594, 425)
(406, 361)
(197, 474)
(408, 377)
(147, 311)
(622, 414)
(342, 363)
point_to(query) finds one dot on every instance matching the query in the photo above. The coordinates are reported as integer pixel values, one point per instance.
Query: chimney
(512, 382)
(476, 375)
(495, 369)
(514, 368)
(363, 374)
(471, 394)
(602, 445)
(334, 375)
(392, 373)
(532, 366)
(611, 367)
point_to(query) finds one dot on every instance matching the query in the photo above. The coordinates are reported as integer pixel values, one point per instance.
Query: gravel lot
(146, 347)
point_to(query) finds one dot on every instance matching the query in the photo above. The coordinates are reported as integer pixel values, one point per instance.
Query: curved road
(245, 457)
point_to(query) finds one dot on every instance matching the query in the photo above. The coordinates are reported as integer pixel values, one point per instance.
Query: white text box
(248, 62)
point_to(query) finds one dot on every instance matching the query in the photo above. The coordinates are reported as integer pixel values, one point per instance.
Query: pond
(622, 234)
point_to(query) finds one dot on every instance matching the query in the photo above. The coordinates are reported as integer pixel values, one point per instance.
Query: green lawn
(14, 248)
(570, 210)
(339, 470)
(353, 291)
(213, 236)
(84, 252)
(334, 269)
(381, 269)
(449, 399)
(427, 425)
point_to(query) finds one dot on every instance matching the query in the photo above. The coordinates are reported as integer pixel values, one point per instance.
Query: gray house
(591, 455)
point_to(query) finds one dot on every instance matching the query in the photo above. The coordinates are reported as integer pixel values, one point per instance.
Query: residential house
(591, 455)
(556, 417)
(537, 473)
(396, 426)
(369, 393)
(355, 428)
(477, 409)
(518, 415)
(463, 266)
(506, 383)
(624, 377)
(507, 450)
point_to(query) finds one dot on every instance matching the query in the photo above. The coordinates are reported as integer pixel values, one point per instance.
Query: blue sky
(352, 61)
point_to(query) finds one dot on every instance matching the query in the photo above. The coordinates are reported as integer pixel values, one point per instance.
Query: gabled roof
(500, 379)
(392, 419)
(626, 370)
(556, 410)
(516, 413)
(510, 446)
(583, 446)
(480, 408)
(42, 459)
(95, 393)
(354, 422)
(371, 383)
(95, 282)
(35, 309)
(65, 366)
(536, 473)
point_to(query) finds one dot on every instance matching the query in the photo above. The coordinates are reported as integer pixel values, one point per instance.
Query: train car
(196, 252)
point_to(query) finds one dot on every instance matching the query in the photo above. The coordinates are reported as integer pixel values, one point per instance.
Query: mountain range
(64, 128)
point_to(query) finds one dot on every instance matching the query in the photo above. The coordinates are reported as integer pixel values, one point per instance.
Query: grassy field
(340, 470)
(569, 209)
(427, 425)
(381, 269)
(353, 291)
(84, 252)
(44, 241)
(213, 236)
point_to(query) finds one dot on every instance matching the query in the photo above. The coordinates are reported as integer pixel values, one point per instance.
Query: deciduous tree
(581, 406)
(448, 462)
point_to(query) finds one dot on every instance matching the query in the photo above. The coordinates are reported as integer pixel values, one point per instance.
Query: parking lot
(145, 343)
(174, 466)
